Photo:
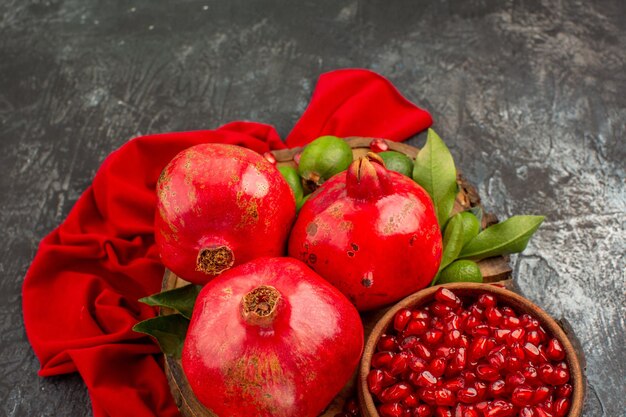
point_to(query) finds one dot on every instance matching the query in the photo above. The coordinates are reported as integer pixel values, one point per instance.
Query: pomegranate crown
(367, 178)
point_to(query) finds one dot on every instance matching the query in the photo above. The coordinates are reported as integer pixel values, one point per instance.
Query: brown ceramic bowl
(505, 296)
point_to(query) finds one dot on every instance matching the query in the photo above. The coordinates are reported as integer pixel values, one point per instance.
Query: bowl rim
(517, 301)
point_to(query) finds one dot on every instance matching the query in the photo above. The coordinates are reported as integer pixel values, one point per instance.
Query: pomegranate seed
(381, 359)
(452, 322)
(487, 373)
(432, 337)
(564, 390)
(470, 412)
(378, 145)
(470, 377)
(515, 379)
(481, 330)
(388, 379)
(420, 315)
(458, 360)
(395, 393)
(427, 395)
(352, 408)
(508, 311)
(436, 323)
(422, 351)
(411, 401)
(375, 381)
(481, 389)
(296, 158)
(482, 406)
(444, 396)
(541, 394)
(561, 407)
(526, 412)
(478, 348)
(541, 412)
(447, 297)
(437, 367)
(516, 336)
(496, 360)
(560, 377)
(513, 364)
(501, 335)
(408, 343)
(493, 316)
(530, 374)
(440, 309)
(467, 395)
(471, 322)
(497, 388)
(401, 319)
(391, 410)
(487, 300)
(516, 351)
(441, 411)
(387, 343)
(510, 322)
(464, 342)
(270, 157)
(399, 363)
(499, 408)
(426, 379)
(452, 338)
(444, 351)
(546, 373)
(555, 351)
(423, 411)
(417, 364)
(454, 384)
(415, 328)
(522, 395)
(532, 352)
(533, 337)
(548, 405)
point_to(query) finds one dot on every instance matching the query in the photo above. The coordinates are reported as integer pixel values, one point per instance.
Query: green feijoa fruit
(399, 162)
(460, 271)
(471, 226)
(323, 158)
(293, 179)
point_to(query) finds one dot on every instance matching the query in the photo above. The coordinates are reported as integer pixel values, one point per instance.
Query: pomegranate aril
(564, 390)
(444, 352)
(481, 330)
(444, 396)
(395, 393)
(420, 315)
(501, 335)
(467, 395)
(436, 323)
(478, 348)
(391, 410)
(541, 394)
(510, 322)
(381, 359)
(411, 401)
(471, 322)
(499, 408)
(487, 373)
(409, 343)
(542, 412)
(417, 364)
(452, 338)
(378, 145)
(546, 373)
(423, 410)
(437, 367)
(516, 351)
(561, 407)
(422, 351)
(555, 350)
(415, 328)
(515, 379)
(440, 309)
(476, 311)
(352, 408)
(530, 374)
(487, 300)
(560, 377)
(375, 381)
(516, 336)
(296, 158)
(493, 316)
(454, 384)
(433, 336)
(531, 351)
(452, 322)
(533, 337)
(513, 364)
(481, 389)
(508, 311)
(482, 406)
(427, 395)
(387, 343)
(464, 342)
(522, 395)
(426, 379)
(497, 388)
(269, 156)
(401, 319)
(388, 379)
(497, 360)
(442, 411)
(399, 363)
(470, 412)
(526, 412)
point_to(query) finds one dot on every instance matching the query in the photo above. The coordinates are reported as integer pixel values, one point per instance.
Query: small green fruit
(460, 271)
(293, 179)
(399, 162)
(323, 158)
(471, 226)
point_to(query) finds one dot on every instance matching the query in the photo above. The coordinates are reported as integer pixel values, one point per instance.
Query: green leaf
(434, 170)
(479, 213)
(452, 240)
(510, 236)
(169, 331)
(180, 299)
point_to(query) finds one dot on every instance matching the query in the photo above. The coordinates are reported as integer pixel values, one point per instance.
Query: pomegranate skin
(220, 206)
(370, 232)
(291, 361)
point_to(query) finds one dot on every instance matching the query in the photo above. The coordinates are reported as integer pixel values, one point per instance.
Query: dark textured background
(529, 94)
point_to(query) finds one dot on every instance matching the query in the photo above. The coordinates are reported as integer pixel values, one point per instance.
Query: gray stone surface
(529, 94)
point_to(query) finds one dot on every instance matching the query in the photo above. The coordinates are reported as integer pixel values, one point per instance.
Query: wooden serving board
(493, 270)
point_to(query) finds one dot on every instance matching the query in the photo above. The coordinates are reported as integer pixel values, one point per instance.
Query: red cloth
(80, 293)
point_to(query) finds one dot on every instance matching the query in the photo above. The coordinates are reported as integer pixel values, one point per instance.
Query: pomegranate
(271, 338)
(370, 232)
(219, 206)
(481, 362)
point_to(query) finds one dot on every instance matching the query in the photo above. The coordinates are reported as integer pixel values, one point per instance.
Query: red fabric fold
(80, 293)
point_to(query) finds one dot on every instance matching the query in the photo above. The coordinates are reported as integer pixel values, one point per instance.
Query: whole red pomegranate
(271, 338)
(370, 232)
(219, 206)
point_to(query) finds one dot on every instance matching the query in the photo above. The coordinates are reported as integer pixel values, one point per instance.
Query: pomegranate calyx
(367, 177)
(215, 260)
(260, 306)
